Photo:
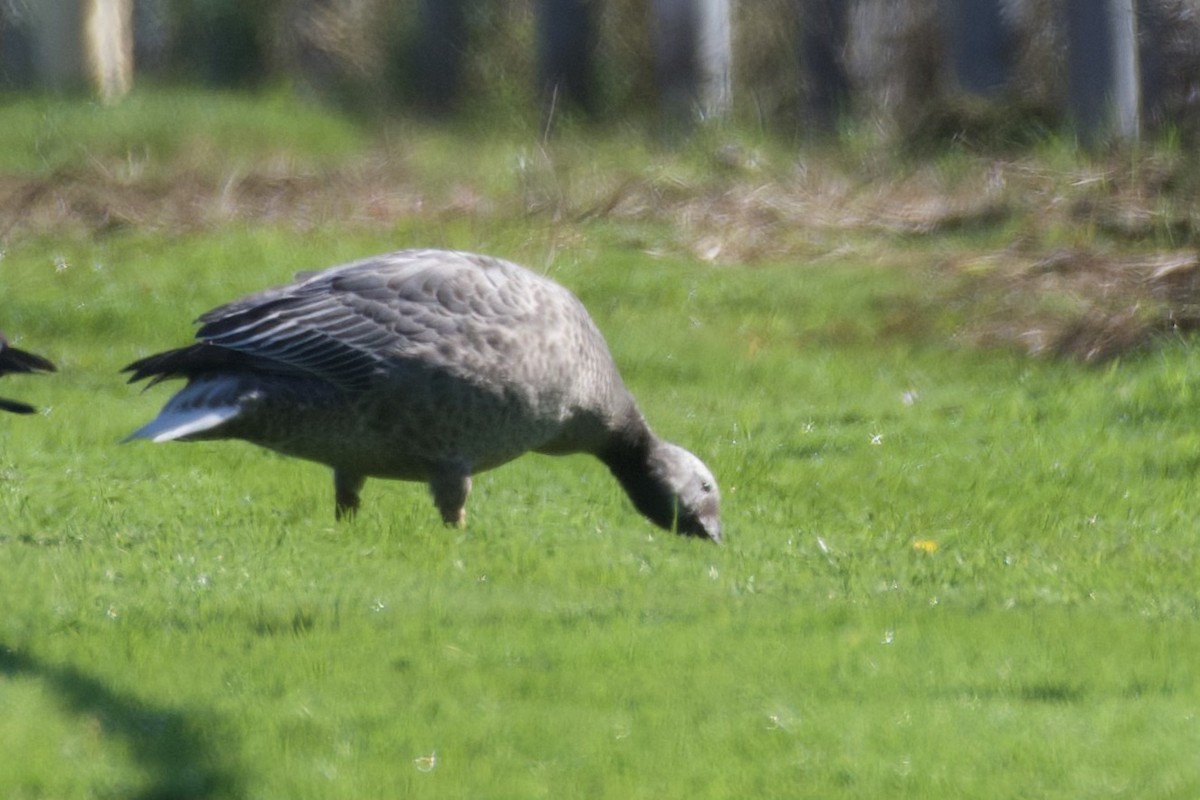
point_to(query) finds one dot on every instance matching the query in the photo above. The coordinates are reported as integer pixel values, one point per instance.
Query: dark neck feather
(627, 456)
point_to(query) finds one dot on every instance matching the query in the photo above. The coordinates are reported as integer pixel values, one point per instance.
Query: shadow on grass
(180, 762)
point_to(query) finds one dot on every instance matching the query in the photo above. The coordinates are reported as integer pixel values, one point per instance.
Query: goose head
(685, 494)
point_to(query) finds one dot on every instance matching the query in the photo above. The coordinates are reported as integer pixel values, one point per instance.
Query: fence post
(979, 46)
(443, 38)
(109, 38)
(566, 41)
(693, 58)
(714, 47)
(1102, 67)
(822, 41)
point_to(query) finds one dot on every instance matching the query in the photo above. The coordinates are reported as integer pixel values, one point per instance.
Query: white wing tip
(172, 424)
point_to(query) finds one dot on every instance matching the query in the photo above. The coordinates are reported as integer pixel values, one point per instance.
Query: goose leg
(346, 487)
(450, 489)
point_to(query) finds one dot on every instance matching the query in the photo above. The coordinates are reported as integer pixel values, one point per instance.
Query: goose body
(13, 360)
(423, 365)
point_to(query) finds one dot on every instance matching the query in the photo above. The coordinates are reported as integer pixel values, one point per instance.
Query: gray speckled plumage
(424, 365)
(13, 361)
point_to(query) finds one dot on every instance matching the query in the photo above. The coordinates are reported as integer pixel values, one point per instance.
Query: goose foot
(345, 493)
(450, 490)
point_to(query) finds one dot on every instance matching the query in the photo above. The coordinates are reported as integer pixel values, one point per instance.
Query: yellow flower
(925, 545)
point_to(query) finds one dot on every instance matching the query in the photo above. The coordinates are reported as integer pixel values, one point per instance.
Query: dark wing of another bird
(14, 361)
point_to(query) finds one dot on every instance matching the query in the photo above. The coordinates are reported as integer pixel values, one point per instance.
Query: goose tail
(202, 406)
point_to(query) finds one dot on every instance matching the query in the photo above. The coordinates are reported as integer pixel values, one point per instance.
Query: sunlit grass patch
(153, 130)
(930, 555)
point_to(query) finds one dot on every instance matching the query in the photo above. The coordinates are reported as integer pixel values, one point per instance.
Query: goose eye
(705, 486)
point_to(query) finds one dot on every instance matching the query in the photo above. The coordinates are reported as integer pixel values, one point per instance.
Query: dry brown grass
(1088, 261)
(90, 202)
(1077, 303)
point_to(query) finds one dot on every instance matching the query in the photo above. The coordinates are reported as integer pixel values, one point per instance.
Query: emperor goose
(423, 365)
(13, 360)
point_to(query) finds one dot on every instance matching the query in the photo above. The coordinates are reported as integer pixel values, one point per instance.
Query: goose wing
(347, 323)
(322, 325)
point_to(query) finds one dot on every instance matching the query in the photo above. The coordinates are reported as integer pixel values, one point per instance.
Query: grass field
(949, 571)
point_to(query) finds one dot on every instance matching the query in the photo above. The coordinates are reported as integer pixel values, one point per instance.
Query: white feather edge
(200, 406)
(172, 424)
